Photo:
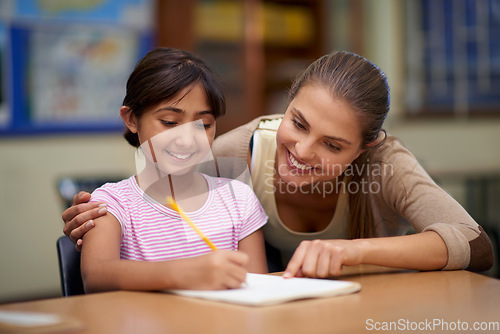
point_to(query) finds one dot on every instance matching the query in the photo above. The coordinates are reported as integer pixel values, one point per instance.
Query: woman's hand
(78, 219)
(323, 258)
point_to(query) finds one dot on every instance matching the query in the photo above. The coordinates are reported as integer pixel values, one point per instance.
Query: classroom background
(64, 64)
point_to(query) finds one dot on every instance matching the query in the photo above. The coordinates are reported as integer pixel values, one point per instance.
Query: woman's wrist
(364, 250)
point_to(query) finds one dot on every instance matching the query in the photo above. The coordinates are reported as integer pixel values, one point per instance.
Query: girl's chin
(177, 170)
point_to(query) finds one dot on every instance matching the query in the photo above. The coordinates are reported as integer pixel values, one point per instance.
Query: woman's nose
(304, 150)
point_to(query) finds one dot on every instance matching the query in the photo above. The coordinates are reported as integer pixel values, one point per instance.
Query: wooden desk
(408, 298)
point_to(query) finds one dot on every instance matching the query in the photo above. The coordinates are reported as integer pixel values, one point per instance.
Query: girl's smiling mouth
(180, 156)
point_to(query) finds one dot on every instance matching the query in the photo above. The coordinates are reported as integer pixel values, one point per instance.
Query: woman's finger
(323, 266)
(83, 219)
(336, 262)
(310, 263)
(81, 197)
(80, 231)
(295, 263)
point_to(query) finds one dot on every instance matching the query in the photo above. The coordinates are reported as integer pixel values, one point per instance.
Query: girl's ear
(129, 119)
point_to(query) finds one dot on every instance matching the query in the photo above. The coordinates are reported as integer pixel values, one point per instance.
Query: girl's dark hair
(361, 84)
(163, 73)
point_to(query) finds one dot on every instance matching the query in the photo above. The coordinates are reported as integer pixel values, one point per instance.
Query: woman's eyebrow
(339, 139)
(302, 118)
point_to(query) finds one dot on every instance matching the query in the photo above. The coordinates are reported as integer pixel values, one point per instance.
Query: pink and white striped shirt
(153, 232)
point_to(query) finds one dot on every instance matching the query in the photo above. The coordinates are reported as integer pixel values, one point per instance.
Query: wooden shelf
(256, 46)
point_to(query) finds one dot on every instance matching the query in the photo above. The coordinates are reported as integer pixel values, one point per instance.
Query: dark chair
(69, 258)
(69, 267)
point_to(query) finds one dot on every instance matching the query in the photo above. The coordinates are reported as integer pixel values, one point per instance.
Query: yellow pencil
(176, 207)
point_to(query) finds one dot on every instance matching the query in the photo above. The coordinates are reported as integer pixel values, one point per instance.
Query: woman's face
(178, 133)
(318, 138)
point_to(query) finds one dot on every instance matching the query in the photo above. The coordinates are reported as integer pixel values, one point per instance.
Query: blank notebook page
(269, 289)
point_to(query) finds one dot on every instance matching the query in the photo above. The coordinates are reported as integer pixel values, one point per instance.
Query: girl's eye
(297, 124)
(204, 125)
(332, 147)
(197, 124)
(169, 123)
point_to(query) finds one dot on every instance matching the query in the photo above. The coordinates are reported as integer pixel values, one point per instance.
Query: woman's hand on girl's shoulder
(323, 258)
(78, 218)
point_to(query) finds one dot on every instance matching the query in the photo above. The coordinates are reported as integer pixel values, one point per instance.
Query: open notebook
(269, 289)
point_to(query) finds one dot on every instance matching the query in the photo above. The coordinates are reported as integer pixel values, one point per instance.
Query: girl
(140, 243)
(337, 189)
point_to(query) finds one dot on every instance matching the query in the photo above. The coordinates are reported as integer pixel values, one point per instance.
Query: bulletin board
(65, 63)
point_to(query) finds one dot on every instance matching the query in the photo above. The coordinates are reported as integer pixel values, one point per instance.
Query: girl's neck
(189, 190)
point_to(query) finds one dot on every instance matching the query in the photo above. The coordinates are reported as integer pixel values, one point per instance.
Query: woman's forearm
(323, 258)
(420, 251)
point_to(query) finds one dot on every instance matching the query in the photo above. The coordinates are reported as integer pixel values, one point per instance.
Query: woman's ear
(382, 136)
(129, 119)
(373, 143)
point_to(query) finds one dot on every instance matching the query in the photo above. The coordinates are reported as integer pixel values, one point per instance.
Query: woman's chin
(295, 180)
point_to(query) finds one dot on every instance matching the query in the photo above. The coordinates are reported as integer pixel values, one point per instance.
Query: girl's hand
(323, 258)
(78, 219)
(214, 271)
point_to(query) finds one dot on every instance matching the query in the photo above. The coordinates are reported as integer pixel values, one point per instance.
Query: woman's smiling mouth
(294, 163)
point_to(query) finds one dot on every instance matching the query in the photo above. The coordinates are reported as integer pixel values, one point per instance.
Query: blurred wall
(30, 205)
(31, 209)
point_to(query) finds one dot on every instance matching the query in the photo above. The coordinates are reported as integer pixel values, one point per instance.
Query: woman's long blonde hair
(357, 81)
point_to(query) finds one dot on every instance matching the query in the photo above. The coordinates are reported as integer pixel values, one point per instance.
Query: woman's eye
(332, 147)
(298, 125)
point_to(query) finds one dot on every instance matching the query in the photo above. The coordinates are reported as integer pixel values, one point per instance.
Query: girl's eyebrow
(169, 108)
(302, 118)
(180, 111)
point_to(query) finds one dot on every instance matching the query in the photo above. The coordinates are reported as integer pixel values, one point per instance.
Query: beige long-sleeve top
(407, 195)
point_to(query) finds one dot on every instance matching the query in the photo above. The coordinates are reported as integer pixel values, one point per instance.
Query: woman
(337, 190)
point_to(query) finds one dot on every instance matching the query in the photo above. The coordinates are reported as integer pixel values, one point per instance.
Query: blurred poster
(79, 75)
(68, 62)
(132, 13)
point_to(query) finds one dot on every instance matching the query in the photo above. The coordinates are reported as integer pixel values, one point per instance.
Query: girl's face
(318, 138)
(178, 133)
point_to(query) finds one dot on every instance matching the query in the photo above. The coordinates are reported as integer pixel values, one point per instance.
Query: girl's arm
(323, 258)
(253, 246)
(102, 268)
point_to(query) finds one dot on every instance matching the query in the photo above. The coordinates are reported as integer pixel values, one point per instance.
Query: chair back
(69, 267)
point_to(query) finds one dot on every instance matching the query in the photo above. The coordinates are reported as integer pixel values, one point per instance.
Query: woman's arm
(253, 246)
(407, 191)
(102, 268)
(323, 258)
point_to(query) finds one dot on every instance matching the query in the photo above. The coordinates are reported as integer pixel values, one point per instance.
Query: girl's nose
(185, 136)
